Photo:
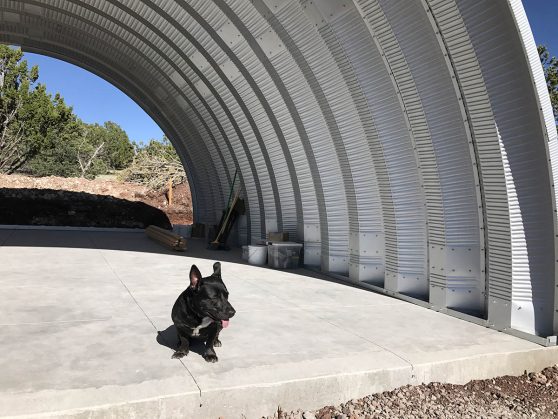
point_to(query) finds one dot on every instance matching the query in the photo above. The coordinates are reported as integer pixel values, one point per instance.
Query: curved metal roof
(409, 144)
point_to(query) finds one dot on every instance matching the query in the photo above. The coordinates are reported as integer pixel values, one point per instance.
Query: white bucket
(257, 255)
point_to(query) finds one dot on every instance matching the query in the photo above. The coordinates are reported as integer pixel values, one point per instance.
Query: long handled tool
(230, 209)
(224, 226)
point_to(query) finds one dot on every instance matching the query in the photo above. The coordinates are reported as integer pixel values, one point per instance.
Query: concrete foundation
(80, 312)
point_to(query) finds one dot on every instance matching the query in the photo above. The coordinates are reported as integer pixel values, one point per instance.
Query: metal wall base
(539, 340)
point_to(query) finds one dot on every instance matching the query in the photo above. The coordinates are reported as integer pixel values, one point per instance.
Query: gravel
(533, 395)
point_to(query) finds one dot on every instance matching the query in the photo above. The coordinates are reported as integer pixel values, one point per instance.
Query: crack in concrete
(141, 308)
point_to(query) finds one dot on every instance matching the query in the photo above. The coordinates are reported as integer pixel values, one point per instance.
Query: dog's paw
(217, 343)
(178, 355)
(210, 357)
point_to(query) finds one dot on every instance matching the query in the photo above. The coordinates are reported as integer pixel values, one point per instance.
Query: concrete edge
(485, 366)
(177, 405)
(313, 393)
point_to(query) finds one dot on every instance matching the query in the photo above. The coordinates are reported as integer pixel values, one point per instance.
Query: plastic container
(245, 253)
(257, 255)
(285, 255)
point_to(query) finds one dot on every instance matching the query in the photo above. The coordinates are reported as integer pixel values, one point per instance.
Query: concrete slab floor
(80, 311)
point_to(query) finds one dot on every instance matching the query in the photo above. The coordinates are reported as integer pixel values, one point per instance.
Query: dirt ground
(533, 395)
(81, 202)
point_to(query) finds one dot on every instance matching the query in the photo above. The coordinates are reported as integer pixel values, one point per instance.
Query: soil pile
(89, 203)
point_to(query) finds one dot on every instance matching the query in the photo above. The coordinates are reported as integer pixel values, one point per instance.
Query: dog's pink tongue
(225, 323)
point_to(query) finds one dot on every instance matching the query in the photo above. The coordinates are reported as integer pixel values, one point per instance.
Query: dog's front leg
(217, 343)
(183, 349)
(209, 355)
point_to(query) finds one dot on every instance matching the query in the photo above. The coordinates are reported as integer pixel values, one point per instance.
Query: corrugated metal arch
(409, 144)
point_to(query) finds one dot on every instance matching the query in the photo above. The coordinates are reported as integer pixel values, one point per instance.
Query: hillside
(77, 201)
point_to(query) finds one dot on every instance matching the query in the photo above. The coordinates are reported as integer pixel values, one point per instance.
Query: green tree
(57, 134)
(38, 131)
(16, 94)
(118, 151)
(40, 134)
(550, 67)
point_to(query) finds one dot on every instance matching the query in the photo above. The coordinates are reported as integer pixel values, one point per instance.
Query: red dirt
(36, 190)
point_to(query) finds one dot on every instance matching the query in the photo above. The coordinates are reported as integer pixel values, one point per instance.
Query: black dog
(201, 312)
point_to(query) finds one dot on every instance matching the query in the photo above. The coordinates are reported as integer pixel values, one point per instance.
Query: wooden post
(169, 194)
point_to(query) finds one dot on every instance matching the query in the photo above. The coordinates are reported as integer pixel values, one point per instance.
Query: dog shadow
(169, 338)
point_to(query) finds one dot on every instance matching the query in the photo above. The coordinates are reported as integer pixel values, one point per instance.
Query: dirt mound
(93, 203)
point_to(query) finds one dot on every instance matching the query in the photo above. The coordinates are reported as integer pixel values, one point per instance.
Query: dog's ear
(217, 269)
(195, 276)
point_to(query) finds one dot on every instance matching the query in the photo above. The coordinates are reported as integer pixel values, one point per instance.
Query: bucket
(257, 255)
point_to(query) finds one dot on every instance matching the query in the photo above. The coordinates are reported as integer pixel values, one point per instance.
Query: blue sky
(543, 17)
(95, 100)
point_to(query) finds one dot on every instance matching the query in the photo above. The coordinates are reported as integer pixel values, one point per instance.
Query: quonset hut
(409, 144)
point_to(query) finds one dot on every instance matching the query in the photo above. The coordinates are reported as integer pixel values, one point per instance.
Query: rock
(540, 378)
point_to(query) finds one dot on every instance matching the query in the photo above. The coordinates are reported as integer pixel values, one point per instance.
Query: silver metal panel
(11, 17)
(516, 112)
(474, 99)
(549, 124)
(410, 273)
